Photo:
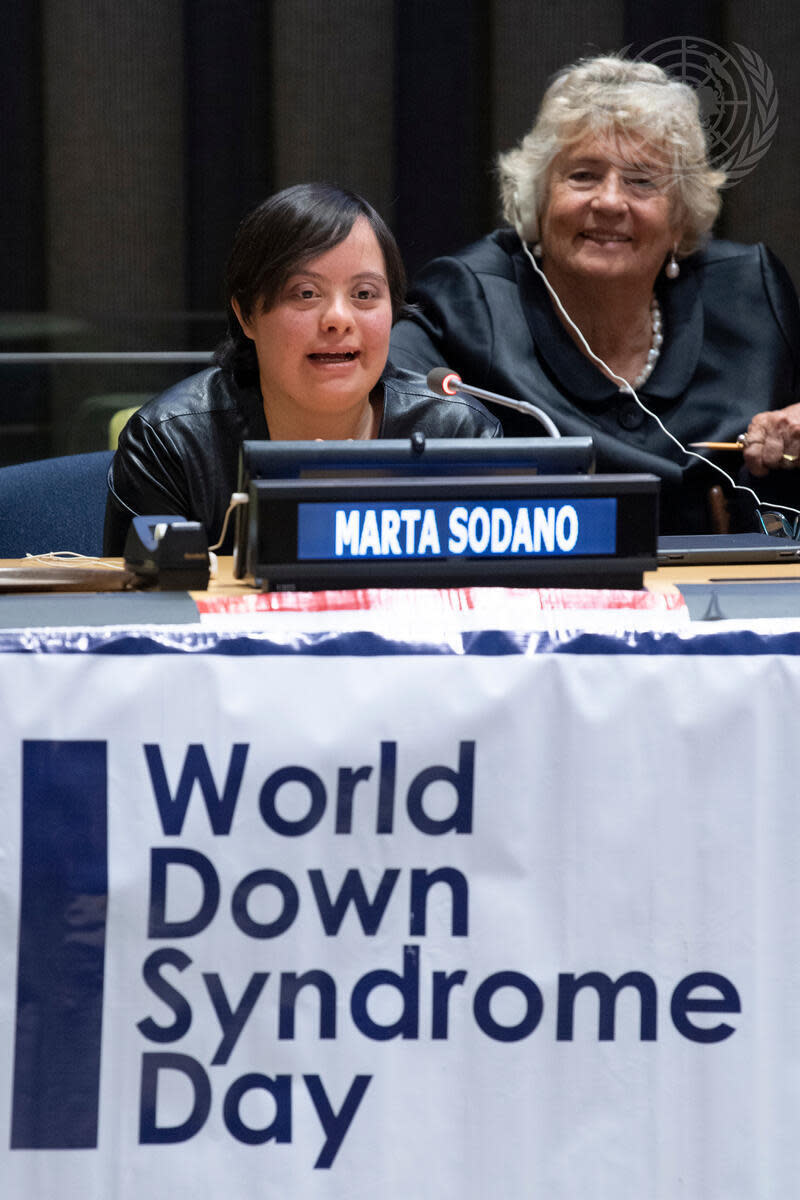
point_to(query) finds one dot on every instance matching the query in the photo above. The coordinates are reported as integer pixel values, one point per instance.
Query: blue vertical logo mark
(64, 886)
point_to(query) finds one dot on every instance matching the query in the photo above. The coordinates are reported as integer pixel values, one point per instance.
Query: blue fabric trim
(61, 966)
(488, 643)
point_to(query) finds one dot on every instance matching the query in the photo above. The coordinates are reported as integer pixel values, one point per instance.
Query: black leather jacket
(731, 349)
(179, 454)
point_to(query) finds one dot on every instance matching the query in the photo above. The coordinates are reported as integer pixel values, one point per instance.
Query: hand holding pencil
(772, 441)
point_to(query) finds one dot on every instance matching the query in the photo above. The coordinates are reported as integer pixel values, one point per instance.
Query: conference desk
(465, 894)
(223, 582)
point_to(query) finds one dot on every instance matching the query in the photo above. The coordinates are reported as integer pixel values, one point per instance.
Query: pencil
(716, 445)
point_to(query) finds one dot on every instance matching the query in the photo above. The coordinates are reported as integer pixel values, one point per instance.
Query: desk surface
(669, 577)
(664, 577)
(655, 581)
(763, 589)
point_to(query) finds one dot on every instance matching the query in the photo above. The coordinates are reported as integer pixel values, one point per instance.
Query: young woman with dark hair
(314, 283)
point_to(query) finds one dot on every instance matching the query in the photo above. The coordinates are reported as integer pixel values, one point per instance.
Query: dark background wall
(134, 136)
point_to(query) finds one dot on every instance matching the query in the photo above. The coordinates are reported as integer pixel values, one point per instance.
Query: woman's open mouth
(331, 357)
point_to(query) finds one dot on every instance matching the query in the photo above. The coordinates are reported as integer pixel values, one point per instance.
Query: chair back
(54, 504)
(117, 424)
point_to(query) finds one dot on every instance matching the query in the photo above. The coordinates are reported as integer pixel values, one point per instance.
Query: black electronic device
(444, 512)
(394, 458)
(168, 553)
(415, 455)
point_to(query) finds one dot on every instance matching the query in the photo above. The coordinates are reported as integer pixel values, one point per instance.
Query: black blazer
(179, 454)
(731, 349)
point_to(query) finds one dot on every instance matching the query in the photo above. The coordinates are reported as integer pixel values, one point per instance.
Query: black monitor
(442, 512)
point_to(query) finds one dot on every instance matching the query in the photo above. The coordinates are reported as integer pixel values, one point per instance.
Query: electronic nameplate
(456, 524)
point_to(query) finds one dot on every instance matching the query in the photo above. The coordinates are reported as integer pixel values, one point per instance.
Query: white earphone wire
(626, 386)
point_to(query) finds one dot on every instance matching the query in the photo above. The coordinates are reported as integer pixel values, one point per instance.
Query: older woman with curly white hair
(606, 303)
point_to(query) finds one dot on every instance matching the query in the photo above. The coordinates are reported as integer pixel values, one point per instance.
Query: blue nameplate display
(449, 512)
(540, 531)
(482, 528)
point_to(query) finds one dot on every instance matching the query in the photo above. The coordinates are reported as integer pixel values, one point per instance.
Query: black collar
(574, 373)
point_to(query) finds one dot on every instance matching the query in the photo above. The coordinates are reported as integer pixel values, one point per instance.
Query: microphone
(447, 383)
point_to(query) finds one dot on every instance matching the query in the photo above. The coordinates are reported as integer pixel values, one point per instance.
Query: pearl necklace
(654, 353)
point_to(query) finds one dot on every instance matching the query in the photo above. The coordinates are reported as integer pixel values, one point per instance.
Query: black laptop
(722, 548)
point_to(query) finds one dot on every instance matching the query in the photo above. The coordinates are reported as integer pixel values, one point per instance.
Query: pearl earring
(672, 270)
(537, 250)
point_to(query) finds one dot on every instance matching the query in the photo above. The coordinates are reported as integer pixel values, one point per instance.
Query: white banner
(402, 925)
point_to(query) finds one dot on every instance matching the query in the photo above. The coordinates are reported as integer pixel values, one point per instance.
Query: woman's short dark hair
(278, 236)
